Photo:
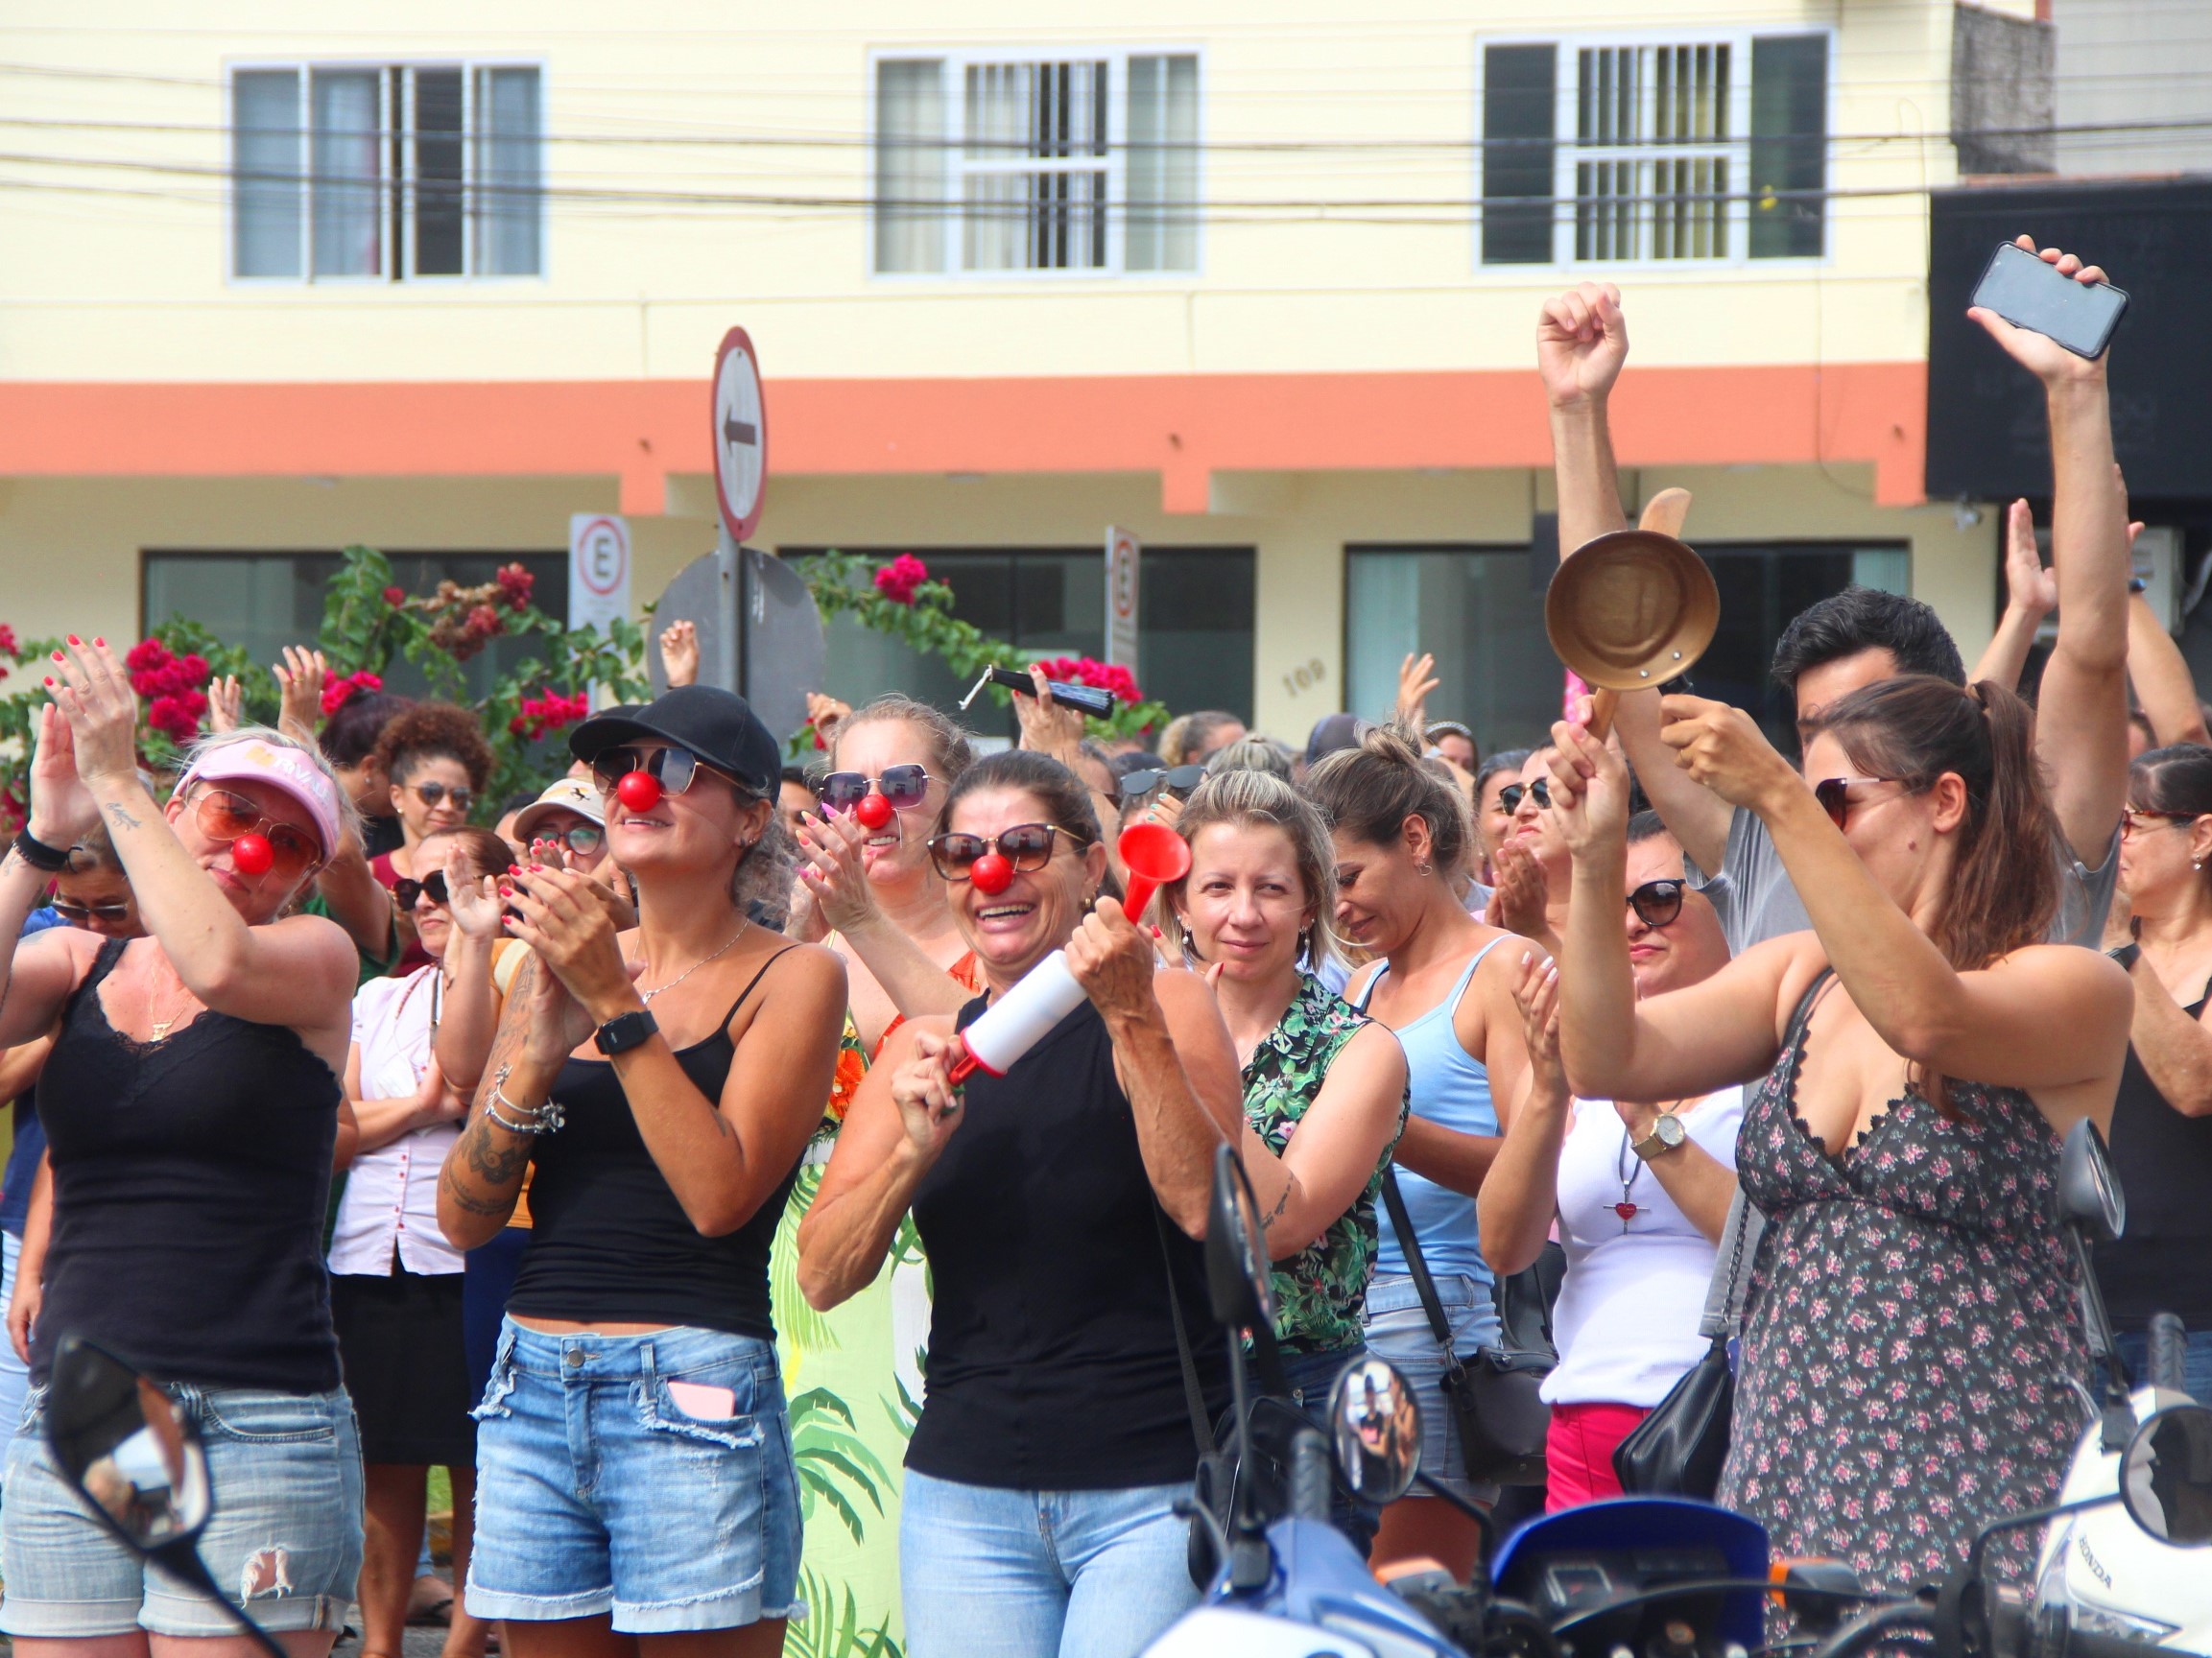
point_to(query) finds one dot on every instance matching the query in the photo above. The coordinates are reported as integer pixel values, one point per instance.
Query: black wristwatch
(625, 1031)
(2127, 956)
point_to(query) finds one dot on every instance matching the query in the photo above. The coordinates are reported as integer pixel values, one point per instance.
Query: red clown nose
(639, 790)
(874, 810)
(992, 874)
(251, 854)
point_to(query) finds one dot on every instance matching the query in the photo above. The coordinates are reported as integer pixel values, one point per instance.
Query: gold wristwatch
(1667, 1133)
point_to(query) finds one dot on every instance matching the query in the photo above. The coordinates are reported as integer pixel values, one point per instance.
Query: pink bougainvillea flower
(898, 579)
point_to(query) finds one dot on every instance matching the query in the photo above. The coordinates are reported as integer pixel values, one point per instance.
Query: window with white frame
(387, 172)
(1085, 163)
(1706, 148)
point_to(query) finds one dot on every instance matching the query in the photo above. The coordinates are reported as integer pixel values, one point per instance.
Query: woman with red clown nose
(1038, 1515)
(192, 1105)
(662, 1080)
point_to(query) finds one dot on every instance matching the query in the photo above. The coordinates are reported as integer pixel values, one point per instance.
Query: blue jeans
(285, 1539)
(1398, 1331)
(14, 1375)
(2195, 1366)
(1313, 1378)
(986, 1573)
(647, 1476)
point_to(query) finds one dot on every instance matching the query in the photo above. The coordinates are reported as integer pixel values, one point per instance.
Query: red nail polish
(57, 655)
(101, 642)
(49, 678)
(73, 640)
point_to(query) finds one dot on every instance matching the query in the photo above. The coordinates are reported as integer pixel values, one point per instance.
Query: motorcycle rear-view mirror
(2166, 1476)
(1238, 1286)
(2089, 1195)
(1375, 1426)
(122, 1442)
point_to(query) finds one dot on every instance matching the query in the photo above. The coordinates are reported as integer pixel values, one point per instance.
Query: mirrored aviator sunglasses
(1180, 780)
(1026, 846)
(1657, 903)
(676, 770)
(1510, 796)
(905, 786)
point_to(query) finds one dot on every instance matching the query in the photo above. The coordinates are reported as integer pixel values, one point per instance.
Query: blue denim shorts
(1399, 1330)
(285, 1540)
(596, 1491)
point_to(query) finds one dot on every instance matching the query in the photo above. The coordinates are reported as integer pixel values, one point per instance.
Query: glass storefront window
(1481, 610)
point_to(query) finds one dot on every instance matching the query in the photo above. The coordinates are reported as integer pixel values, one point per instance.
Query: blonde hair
(1247, 798)
(349, 814)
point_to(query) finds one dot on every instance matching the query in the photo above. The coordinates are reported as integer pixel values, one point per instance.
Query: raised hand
(96, 699)
(1589, 791)
(825, 712)
(1582, 341)
(299, 682)
(558, 1023)
(803, 920)
(1723, 747)
(225, 704)
(1416, 679)
(562, 920)
(2039, 353)
(1523, 895)
(679, 653)
(835, 873)
(1113, 960)
(1047, 727)
(62, 810)
(1536, 994)
(928, 1104)
(473, 903)
(2029, 587)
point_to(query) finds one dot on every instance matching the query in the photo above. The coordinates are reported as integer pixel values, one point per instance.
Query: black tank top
(2164, 1162)
(1052, 1357)
(191, 1177)
(608, 1240)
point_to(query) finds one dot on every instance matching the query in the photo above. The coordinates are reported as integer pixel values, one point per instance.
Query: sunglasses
(406, 890)
(79, 915)
(224, 816)
(1026, 846)
(903, 786)
(2132, 817)
(432, 794)
(1510, 796)
(1657, 903)
(1833, 793)
(675, 770)
(1180, 780)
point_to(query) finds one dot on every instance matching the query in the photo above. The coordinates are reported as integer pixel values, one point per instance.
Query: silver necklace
(648, 995)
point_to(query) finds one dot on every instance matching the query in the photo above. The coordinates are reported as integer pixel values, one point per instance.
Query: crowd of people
(1701, 1038)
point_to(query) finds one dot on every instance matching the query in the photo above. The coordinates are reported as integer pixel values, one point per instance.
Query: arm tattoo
(488, 1161)
(465, 1199)
(122, 816)
(1268, 1221)
(9, 863)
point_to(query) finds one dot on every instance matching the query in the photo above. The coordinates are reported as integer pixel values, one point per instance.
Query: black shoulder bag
(1501, 1419)
(1678, 1450)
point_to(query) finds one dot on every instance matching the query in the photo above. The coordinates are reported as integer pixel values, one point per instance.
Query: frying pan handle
(1603, 702)
(1666, 512)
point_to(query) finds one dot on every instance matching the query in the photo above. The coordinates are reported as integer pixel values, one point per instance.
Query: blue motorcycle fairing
(1623, 1523)
(1319, 1578)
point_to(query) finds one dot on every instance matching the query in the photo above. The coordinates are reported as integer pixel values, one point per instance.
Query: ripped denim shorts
(285, 1540)
(646, 1476)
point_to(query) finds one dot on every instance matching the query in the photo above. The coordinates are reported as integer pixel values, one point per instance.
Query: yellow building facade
(1257, 283)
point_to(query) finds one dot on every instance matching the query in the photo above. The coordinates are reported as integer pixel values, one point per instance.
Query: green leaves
(834, 1462)
(832, 1628)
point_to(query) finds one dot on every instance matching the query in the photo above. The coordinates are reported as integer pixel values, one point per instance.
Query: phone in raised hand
(2031, 293)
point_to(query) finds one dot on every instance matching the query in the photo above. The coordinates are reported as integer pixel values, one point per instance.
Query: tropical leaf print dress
(1319, 1292)
(1912, 1325)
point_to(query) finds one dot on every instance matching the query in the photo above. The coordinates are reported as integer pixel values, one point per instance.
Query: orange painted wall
(1183, 426)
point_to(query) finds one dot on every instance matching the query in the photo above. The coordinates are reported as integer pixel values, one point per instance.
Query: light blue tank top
(1450, 1087)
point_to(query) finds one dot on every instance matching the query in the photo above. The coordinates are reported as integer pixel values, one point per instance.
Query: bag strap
(1417, 1265)
(1194, 1396)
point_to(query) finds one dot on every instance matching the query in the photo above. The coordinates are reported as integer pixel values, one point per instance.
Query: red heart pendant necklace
(1626, 1209)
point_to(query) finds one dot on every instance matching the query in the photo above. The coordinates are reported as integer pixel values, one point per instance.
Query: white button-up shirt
(392, 1192)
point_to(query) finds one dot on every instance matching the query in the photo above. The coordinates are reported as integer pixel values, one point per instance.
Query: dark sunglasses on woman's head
(1026, 846)
(432, 794)
(676, 770)
(1510, 797)
(1657, 903)
(79, 915)
(406, 890)
(224, 816)
(1180, 780)
(1833, 793)
(904, 785)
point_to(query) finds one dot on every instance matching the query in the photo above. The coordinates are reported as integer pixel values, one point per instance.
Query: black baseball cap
(718, 727)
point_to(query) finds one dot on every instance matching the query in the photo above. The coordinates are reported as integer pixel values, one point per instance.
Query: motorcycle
(1634, 1578)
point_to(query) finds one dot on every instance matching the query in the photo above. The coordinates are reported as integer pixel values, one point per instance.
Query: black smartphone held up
(1083, 699)
(2030, 294)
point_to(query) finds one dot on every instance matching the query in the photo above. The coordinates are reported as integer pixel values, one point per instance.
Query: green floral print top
(1319, 1292)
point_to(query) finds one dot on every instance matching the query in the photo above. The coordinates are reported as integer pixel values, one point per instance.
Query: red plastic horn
(1153, 854)
(251, 854)
(639, 790)
(991, 874)
(874, 812)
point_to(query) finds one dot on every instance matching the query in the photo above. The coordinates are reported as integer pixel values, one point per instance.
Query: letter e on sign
(598, 569)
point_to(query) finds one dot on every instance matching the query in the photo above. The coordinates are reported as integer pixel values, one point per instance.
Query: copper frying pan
(1632, 609)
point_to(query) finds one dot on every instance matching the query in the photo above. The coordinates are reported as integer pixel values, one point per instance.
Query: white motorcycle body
(2105, 1575)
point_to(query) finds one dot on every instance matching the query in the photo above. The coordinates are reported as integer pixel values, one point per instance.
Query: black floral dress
(1913, 1324)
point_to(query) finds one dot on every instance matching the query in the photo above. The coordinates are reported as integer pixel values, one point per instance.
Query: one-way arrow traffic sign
(741, 428)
